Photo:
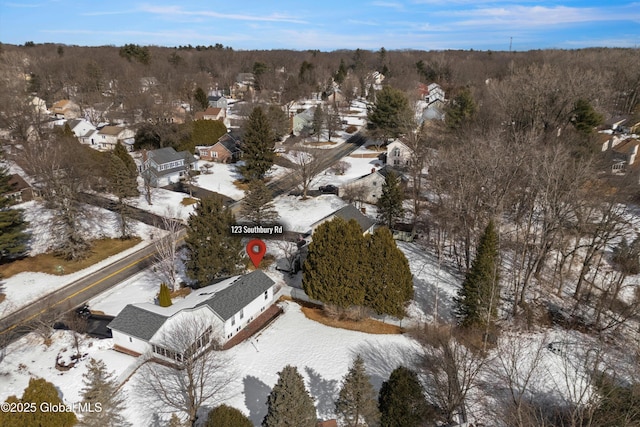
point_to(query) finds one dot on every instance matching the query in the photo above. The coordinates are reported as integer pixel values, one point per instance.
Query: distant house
(212, 113)
(19, 190)
(624, 157)
(431, 93)
(217, 101)
(226, 150)
(65, 109)
(347, 213)
(165, 166)
(227, 307)
(39, 106)
(109, 136)
(369, 187)
(80, 128)
(302, 121)
(399, 155)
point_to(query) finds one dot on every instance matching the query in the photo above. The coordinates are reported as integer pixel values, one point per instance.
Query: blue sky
(326, 24)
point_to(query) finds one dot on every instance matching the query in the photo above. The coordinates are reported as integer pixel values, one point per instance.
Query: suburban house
(217, 101)
(80, 128)
(213, 113)
(369, 187)
(109, 136)
(431, 93)
(65, 109)
(19, 190)
(398, 154)
(226, 307)
(226, 150)
(302, 121)
(347, 213)
(39, 106)
(165, 166)
(624, 156)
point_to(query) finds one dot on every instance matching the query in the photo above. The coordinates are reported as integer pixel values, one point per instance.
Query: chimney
(373, 170)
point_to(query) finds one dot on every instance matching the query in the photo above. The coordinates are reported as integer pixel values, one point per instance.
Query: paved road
(78, 292)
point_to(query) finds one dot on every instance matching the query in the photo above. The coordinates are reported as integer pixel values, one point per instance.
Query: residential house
(227, 307)
(302, 120)
(81, 128)
(108, 136)
(431, 93)
(213, 113)
(218, 101)
(226, 150)
(39, 106)
(347, 213)
(18, 190)
(624, 157)
(369, 187)
(399, 155)
(65, 109)
(165, 166)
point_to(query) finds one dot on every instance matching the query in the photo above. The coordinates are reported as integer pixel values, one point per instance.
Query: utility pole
(510, 43)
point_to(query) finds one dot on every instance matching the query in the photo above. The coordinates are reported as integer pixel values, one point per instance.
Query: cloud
(392, 5)
(172, 11)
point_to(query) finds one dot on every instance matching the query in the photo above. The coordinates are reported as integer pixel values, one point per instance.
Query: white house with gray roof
(228, 307)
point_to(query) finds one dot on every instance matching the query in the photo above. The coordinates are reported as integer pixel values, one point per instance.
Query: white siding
(130, 343)
(249, 313)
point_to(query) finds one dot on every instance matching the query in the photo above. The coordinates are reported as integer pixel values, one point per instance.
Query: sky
(326, 24)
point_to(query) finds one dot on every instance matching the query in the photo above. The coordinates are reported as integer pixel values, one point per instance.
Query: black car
(328, 189)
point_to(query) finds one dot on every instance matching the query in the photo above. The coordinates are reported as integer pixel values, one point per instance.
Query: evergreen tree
(41, 394)
(390, 286)
(164, 296)
(204, 132)
(333, 271)
(279, 121)
(130, 165)
(390, 201)
(478, 298)
(213, 251)
(227, 416)
(289, 403)
(101, 390)
(13, 238)
(258, 144)
(401, 400)
(356, 404)
(202, 101)
(333, 122)
(123, 186)
(175, 421)
(257, 205)
(390, 114)
(341, 74)
(318, 121)
(585, 118)
(461, 109)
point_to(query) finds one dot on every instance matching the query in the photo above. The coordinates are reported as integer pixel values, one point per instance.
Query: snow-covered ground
(298, 215)
(164, 203)
(220, 179)
(27, 287)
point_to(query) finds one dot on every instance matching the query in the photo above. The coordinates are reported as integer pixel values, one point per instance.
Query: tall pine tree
(213, 251)
(477, 300)
(401, 400)
(257, 205)
(333, 271)
(258, 145)
(123, 185)
(101, 390)
(390, 114)
(390, 202)
(13, 237)
(356, 404)
(289, 403)
(389, 286)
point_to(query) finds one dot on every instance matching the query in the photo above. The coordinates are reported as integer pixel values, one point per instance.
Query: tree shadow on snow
(324, 391)
(255, 398)
(381, 360)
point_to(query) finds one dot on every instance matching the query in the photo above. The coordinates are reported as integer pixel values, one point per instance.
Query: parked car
(329, 189)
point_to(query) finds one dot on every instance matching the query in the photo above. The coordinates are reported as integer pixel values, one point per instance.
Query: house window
(242, 313)
(130, 340)
(396, 152)
(214, 154)
(375, 183)
(396, 162)
(233, 321)
(266, 294)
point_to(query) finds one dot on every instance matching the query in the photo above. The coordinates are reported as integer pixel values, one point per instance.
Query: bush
(227, 416)
(351, 129)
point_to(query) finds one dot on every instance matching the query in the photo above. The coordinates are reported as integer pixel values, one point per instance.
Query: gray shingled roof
(238, 295)
(137, 322)
(229, 142)
(349, 212)
(168, 154)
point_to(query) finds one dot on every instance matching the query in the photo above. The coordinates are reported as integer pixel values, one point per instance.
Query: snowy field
(27, 287)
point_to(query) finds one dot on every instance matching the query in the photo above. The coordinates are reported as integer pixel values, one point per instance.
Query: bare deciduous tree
(308, 165)
(167, 250)
(196, 372)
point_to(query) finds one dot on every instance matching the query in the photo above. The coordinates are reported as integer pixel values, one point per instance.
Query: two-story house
(65, 109)
(226, 150)
(107, 138)
(165, 166)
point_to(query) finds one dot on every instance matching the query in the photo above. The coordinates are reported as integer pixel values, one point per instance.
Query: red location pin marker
(256, 250)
